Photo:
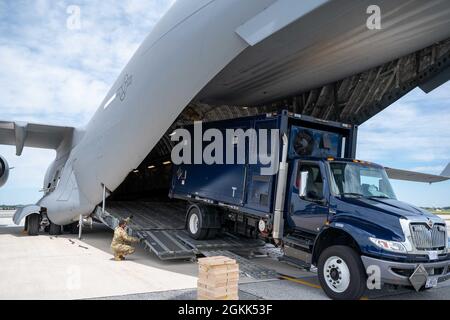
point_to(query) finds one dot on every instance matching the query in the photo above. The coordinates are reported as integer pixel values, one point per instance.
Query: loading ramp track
(161, 225)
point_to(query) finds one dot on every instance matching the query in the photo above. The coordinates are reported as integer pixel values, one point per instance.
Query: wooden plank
(219, 269)
(216, 261)
(217, 284)
(218, 292)
(229, 297)
(214, 279)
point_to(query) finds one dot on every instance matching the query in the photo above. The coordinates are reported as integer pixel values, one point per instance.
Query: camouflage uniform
(119, 244)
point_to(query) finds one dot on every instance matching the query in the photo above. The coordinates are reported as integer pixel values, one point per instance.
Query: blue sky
(50, 73)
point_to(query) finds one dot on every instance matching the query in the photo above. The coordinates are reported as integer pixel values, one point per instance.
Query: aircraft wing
(398, 174)
(22, 134)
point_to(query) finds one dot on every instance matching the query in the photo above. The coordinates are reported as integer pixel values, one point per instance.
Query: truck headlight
(389, 245)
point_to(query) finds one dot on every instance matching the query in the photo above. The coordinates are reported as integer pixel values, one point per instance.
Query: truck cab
(355, 229)
(322, 188)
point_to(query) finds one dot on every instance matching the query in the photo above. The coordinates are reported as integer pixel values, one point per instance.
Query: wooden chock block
(218, 279)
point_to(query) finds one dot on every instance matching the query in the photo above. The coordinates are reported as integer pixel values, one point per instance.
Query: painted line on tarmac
(309, 284)
(306, 283)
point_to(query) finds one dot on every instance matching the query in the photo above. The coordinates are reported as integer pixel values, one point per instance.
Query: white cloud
(50, 74)
(415, 129)
(51, 69)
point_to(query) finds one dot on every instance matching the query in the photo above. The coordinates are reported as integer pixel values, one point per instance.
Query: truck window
(355, 179)
(314, 182)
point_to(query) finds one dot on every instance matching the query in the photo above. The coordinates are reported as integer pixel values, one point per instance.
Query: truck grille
(426, 238)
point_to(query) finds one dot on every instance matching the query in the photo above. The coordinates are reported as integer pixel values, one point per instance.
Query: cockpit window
(360, 180)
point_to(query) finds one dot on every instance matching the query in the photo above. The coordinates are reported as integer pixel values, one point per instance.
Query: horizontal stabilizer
(405, 175)
(22, 134)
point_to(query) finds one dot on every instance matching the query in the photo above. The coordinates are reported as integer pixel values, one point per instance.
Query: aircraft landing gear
(54, 229)
(33, 223)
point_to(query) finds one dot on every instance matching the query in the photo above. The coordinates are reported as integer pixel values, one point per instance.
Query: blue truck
(322, 206)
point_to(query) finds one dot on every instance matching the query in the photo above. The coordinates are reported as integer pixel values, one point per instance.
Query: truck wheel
(195, 224)
(341, 273)
(54, 229)
(33, 224)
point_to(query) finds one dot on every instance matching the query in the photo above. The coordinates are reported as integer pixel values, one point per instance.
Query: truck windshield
(360, 180)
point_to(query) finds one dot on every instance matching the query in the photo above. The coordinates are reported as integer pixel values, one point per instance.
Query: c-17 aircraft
(217, 59)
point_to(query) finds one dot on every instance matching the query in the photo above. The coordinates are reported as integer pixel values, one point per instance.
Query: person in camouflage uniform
(119, 245)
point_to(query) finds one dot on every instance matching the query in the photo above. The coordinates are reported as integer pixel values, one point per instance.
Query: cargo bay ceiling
(329, 65)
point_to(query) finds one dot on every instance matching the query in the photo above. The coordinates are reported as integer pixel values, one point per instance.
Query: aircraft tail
(446, 172)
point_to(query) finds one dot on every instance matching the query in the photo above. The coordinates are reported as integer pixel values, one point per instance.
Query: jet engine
(4, 171)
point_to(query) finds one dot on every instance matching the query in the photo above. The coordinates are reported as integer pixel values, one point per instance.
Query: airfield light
(167, 162)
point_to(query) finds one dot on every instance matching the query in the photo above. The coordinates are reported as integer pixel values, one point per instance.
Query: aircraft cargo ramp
(161, 225)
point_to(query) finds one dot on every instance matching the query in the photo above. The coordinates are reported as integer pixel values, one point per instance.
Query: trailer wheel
(195, 224)
(341, 273)
(33, 224)
(54, 229)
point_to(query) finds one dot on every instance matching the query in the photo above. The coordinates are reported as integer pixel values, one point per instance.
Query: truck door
(309, 207)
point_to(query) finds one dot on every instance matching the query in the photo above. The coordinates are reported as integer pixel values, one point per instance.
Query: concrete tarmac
(63, 267)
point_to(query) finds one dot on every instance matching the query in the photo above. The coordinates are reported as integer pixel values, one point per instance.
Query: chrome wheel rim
(337, 274)
(193, 223)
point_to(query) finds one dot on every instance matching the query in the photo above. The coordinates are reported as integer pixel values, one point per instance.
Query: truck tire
(195, 224)
(341, 273)
(54, 229)
(33, 224)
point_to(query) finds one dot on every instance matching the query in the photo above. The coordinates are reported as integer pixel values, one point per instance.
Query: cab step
(297, 242)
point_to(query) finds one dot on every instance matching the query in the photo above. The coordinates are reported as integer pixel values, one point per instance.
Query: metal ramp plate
(224, 242)
(176, 244)
(247, 267)
(165, 244)
(149, 215)
(161, 225)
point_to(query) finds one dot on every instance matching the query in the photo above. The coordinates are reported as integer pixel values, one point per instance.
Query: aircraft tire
(33, 224)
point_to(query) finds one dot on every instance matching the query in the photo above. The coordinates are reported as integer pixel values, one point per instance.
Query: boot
(117, 258)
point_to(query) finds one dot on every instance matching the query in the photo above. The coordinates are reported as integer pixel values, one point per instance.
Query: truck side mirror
(303, 182)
